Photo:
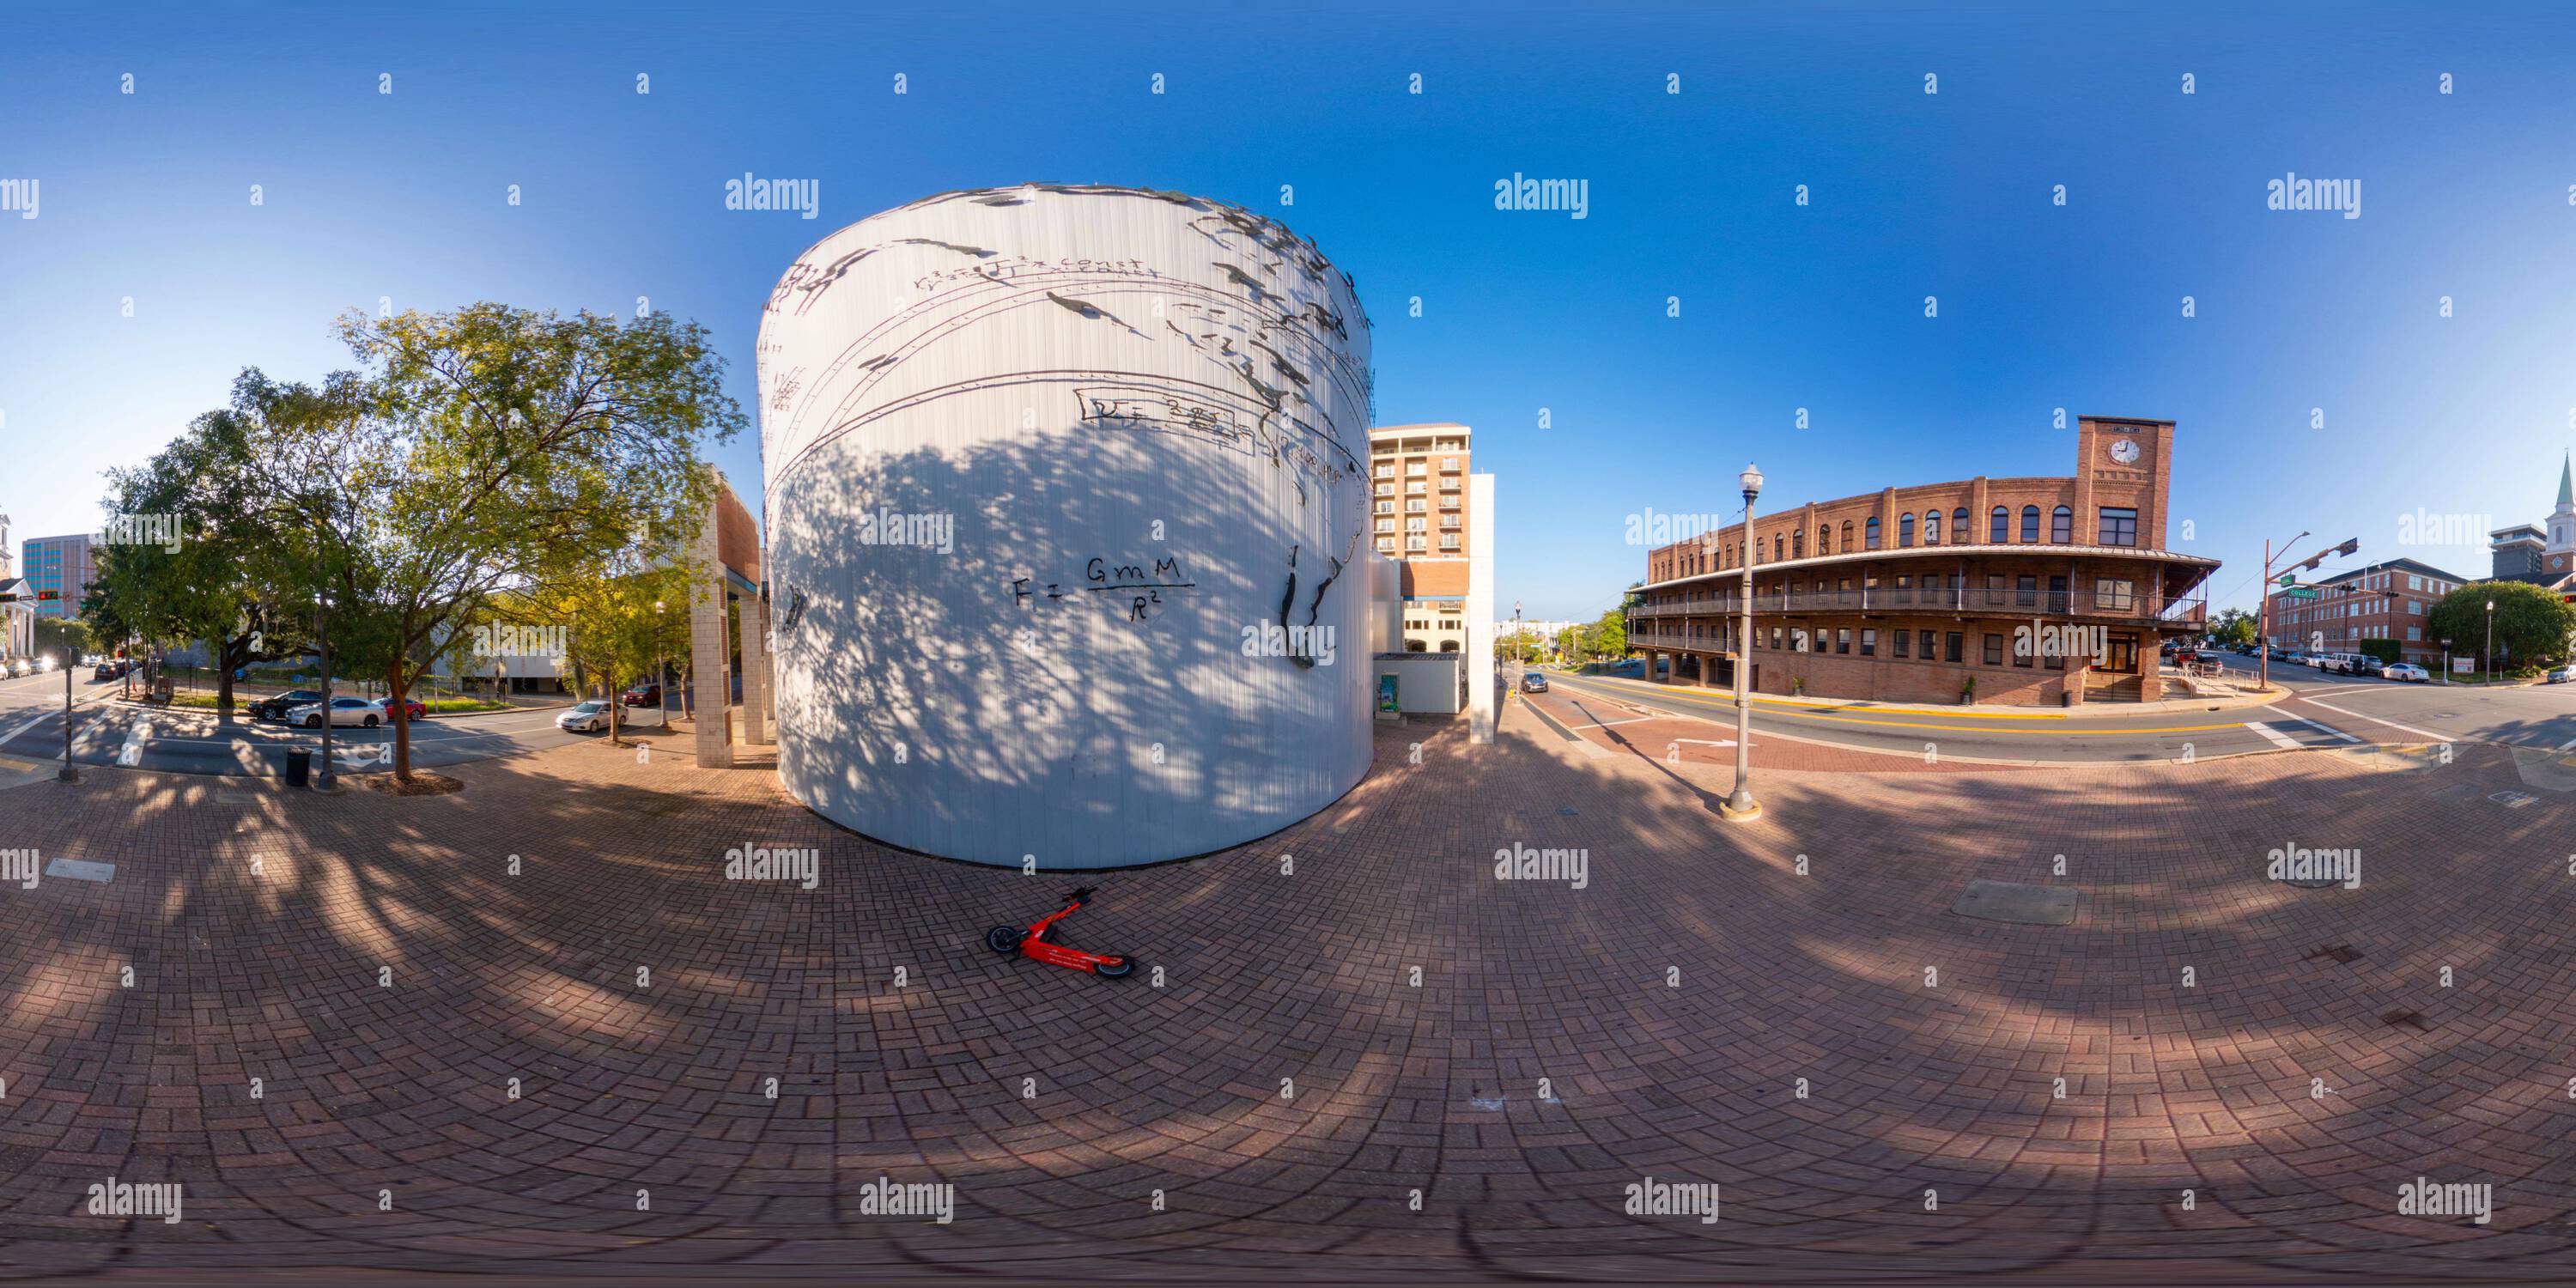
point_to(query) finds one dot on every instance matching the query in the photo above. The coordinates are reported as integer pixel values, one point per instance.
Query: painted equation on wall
(1139, 590)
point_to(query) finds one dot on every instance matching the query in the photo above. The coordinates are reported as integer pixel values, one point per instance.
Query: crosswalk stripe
(2278, 738)
(2322, 727)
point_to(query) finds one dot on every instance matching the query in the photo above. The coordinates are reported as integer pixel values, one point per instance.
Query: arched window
(1959, 525)
(2061, 526)
(1847, 545)
(2030, 524)
(1904, 531)
(1824, 538)
(1999, 526)
(1798, 544)
(1931, 527)
(1776, 546)
(1872, 530)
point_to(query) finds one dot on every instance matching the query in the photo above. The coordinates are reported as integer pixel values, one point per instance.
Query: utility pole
(1739, 805)
(68, 774)
(322, 634)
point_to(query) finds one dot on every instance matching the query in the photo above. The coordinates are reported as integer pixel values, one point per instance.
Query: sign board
(1386, 707)
(2289, 578)
(2460, 665)
(2300, 592)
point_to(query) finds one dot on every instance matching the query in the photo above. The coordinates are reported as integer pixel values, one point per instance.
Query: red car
(412, 709)
(644, 695)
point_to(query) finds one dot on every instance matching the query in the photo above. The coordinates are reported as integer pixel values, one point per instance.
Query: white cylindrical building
(1061, 485)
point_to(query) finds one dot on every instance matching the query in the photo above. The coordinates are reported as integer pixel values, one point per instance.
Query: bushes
(2384, 650)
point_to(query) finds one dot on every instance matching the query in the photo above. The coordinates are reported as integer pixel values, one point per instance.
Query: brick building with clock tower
(2015, 591)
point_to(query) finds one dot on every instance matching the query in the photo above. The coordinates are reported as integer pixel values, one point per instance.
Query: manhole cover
(2027, 905)
(80, 870)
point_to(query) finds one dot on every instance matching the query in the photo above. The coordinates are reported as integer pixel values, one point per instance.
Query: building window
(1959, 525)
(1869, 643)
(1448, 540)
(2021, 655)
(2415, 608)
(1871, 532)
(1842, 640)
(2026, 591)
(2414, 581)
(2055, 661)
(2030, 525)
(1903, 640)
(1847, 538)
(2113, 594)
(1994, 650)
(1798, 544)
(1775, 637)
(1999, 526)
(1927, 646)
(1416, 507)
(2061, 526)
(2414, 633)
(2119, 526)
(1955, 647)
(1386, 545)
(1824, 539)
(1417, 469)
(1904, 531)
(1931, 527)
(1386, 471)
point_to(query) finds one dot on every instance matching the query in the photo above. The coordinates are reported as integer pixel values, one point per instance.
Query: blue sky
(403, 196)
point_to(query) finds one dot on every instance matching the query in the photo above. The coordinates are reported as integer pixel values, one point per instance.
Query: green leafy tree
(2532, 624)
(219, 574)
(1610, 633)
(2233, 626)
(478, 453)
(619, 615)
(66, 638)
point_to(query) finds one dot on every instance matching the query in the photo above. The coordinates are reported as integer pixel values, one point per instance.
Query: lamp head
(1751, 478)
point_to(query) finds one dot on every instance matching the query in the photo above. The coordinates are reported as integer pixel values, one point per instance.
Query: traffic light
(2348, 547)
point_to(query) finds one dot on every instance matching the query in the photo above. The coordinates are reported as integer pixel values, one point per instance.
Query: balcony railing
(1983, 601)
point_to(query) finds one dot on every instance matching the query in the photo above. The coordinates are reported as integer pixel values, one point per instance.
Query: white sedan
(588, 717)
(344, 711)
(2408, 672)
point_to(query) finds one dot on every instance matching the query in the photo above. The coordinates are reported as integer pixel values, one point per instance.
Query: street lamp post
(68, 774)
(1740, 805)
(323, 781)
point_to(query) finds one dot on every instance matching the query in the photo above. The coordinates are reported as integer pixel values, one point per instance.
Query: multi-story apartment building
(61, 569)
(2023, 591)
(1418, 517)
(2385, 601)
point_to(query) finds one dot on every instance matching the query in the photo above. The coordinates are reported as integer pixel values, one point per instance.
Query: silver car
(588, 717)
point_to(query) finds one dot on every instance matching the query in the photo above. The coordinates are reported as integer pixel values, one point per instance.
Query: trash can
(299, 766)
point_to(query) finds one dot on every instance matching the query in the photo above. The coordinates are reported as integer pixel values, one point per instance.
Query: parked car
(412, 709)
(2365, 664)
(105, 671)
(644, 695)
(2408, 672)
(2562, 675)
(588, 717)
(1533, 682)
(276, 708)
(362, 712)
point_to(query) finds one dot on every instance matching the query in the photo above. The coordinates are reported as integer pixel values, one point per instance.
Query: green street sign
(2300, 592)
(2288, 578)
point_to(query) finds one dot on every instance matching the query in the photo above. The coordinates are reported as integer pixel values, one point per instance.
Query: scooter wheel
(1125, 967)
(1004, 939)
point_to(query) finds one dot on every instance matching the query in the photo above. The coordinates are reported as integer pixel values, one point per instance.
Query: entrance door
(2122, 655)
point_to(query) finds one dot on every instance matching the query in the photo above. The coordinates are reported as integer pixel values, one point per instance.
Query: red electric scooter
(1033, 942)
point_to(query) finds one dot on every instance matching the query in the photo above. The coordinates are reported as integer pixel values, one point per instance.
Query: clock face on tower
(2124, 451)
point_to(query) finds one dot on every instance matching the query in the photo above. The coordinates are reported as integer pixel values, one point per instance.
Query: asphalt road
(2325, 712)
(194, 742)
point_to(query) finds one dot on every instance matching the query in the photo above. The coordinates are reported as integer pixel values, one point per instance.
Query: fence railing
(2000, 601)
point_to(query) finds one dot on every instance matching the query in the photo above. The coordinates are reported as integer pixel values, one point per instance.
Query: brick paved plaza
(1289, 1087)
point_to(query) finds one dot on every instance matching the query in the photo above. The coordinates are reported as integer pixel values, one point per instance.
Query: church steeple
(2566, 486)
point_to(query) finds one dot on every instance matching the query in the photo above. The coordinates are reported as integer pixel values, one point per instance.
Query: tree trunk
(399, 712)
(224, 680)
